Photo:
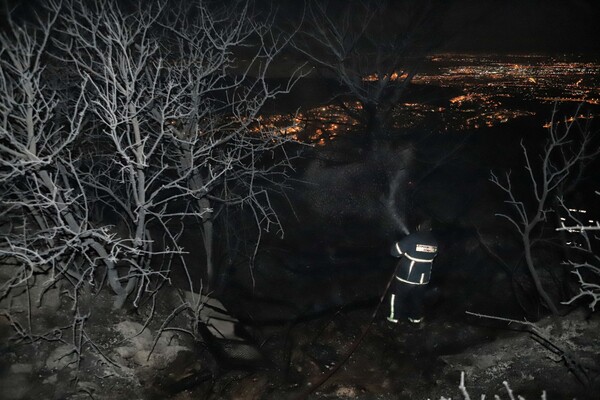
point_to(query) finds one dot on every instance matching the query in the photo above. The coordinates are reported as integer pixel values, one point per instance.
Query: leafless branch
(566, 149)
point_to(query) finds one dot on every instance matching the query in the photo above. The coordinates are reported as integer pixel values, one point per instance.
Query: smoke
(369, 193)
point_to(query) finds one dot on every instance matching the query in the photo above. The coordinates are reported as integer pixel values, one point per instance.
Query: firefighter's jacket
(417, 251)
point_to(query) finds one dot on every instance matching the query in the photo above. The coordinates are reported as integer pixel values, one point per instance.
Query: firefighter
(416, 252)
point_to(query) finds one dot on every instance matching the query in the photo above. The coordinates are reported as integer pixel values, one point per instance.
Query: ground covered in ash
(305, 312)
(120, 358)
(304, 306)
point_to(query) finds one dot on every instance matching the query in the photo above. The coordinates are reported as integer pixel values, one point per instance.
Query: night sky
(524, 26)
(497, 26)
(473, 26)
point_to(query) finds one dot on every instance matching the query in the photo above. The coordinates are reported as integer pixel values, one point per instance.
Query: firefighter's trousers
(405, 301)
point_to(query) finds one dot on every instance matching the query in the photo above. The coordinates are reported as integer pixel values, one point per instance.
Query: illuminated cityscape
(497, 89)
(318, 125)
(468, 92)
(539, 78)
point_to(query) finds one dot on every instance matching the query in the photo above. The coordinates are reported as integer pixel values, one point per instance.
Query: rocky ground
(113, 355)
(304, 311)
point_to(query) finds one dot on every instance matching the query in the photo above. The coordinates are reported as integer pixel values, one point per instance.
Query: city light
(495, 90)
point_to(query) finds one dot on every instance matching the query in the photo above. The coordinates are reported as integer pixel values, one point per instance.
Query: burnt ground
(332, 310)
(304, 305)
(307, 301)
(392, 362)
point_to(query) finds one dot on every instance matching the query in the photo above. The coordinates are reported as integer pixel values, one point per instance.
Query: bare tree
(371, 53)
(113, 53)
(159, 124)
(569, 144)
(585, 263)
(163, 126)
(41, 191)
(229, 156)
(176, 115)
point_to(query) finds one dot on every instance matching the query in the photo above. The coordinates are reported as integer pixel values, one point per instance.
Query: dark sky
(504, 26)
(486, 26)
(552, 26)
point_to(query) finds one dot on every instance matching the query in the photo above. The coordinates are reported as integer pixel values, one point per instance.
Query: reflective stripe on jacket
(417, 251)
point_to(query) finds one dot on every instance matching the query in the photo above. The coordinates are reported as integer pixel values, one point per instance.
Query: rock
(61, 357)
(345, 392)
(21, 368)
(141, 342)
(88, 387)
(125, 352)
(160, 358)
(46, 294)
(135, 333)
(42, 292)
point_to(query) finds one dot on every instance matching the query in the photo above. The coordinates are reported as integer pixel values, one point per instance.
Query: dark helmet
(425, 225)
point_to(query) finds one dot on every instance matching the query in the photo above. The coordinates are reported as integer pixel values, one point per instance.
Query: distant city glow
(544, 79)
(495, 90)
(393, 77)
(318, 125)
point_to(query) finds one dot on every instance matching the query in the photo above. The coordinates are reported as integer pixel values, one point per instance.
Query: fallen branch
(574, 363)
